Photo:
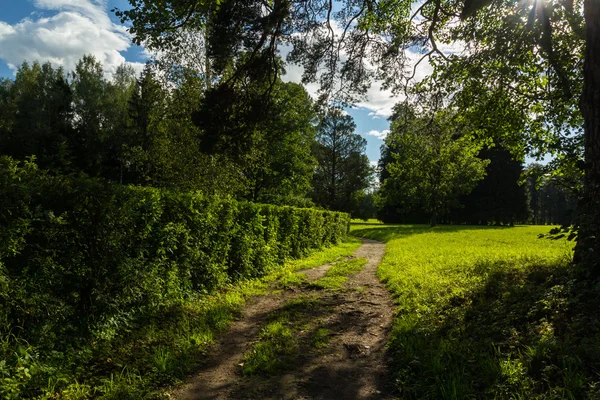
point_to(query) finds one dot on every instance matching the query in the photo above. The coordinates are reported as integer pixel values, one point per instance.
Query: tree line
(150, 131)
(433, 170)
(280, 149)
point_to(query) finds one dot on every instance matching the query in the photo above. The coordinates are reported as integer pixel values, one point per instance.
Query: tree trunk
(587, 251)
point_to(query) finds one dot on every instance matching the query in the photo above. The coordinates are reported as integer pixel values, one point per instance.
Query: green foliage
(522, 79)
(428, 161)
(343, 171)
(90, 260)
(487, 312)
(268, 138)
(140, 130)
(37, 110)
(552, 196)
(366, 206)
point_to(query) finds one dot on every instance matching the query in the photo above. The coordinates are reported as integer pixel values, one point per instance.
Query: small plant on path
(336, 276)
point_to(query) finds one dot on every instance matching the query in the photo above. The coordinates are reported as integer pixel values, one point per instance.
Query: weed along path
(319, 334)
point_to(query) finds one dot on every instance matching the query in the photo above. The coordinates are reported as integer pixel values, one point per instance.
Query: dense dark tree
(551, 201)
(116, 162)
(90, 104)
(287, 162)
(147, 108)
(498, 198)
(267, 138)
(140, 131)
(343, 170)
(36, 117)
(366, 208)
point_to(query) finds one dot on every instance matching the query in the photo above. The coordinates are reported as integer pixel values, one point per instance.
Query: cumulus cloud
(79, 27)
(379, 134)
(379, 101)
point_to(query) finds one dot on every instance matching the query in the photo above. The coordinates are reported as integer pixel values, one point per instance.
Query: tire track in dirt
(352, 366)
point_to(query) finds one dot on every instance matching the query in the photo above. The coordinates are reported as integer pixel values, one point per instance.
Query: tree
(366, 207)
(36, 116)
(498, 198)
(146, 136)
(286, 164)
(343, 170)
(90, 103)
(552, 202)
(524, 60)
(117, 123)
(432, 163)
(265, 128)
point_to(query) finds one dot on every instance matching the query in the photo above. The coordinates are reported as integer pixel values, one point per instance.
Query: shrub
(82, 257)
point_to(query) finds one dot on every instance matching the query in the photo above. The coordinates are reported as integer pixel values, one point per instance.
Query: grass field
(488, 312)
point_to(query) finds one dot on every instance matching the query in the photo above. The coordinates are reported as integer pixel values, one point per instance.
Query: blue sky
(62, 31)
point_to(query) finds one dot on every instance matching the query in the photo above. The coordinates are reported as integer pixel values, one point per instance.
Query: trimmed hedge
(82, 256)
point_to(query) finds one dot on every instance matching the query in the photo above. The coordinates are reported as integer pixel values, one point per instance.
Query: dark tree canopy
(552, 200)
(141, 131)
(498, 198)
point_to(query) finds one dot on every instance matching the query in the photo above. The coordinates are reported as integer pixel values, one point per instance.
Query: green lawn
(488, 312)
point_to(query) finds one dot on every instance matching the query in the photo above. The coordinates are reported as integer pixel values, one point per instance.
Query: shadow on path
(353, 365)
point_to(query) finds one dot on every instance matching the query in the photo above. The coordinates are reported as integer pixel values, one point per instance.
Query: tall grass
(488, 312)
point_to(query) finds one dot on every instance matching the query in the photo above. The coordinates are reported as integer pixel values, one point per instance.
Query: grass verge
(488, 313)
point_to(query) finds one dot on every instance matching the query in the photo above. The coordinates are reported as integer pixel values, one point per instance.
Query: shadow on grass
(385, 233)
(529, 334)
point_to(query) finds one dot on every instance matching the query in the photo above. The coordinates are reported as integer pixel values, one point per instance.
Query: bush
(83, 257)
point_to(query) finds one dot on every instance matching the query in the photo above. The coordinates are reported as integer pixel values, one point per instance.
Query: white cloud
(79, 27)
(378, 101)
(379, 134)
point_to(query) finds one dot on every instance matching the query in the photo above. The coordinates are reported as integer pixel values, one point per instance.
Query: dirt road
(340, 338)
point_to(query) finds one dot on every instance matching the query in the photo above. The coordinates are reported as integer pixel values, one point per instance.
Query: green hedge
(82, 256)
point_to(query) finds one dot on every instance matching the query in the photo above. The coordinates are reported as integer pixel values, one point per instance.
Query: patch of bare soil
(349, 362)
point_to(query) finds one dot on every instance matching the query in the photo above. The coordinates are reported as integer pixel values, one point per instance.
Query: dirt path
(349, 363)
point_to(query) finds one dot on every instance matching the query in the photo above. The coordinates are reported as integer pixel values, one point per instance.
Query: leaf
(472, 6)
